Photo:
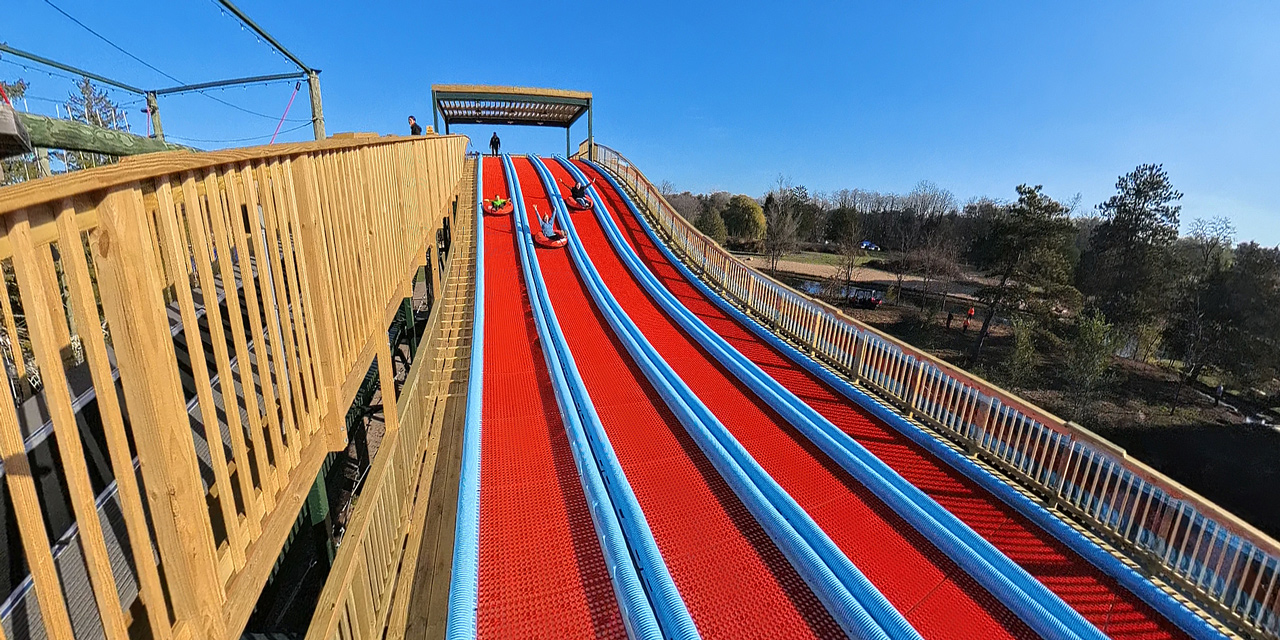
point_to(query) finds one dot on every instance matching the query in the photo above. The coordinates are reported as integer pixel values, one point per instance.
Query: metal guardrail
(229, 403)
(1225, 565)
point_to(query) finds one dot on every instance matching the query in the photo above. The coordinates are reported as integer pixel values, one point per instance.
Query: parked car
(867, 245)
(863, 299)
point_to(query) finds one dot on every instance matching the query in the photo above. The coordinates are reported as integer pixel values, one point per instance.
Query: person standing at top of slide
(414, 128)
(494, 143)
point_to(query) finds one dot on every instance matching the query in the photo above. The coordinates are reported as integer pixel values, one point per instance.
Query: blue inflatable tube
(1030, 600)
(652, 607)
(1183, 617)
(464, 580)
(860, 609)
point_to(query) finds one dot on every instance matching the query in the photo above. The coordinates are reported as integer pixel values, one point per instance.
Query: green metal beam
(248, 22)
(70, 69)
(297, 75)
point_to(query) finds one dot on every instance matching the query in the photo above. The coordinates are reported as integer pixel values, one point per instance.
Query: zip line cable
(157, 70)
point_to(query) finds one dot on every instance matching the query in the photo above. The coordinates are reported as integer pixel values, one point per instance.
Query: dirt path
(863, 275)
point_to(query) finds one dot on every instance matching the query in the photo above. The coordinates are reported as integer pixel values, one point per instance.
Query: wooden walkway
(429, 554)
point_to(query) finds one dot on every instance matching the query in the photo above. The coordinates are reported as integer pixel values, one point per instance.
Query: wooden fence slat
(34, 268)
(174, 246)
(85, 309)
(11, 326)
(296, 331)
(252, 269)
(128, 280)
(200, 243)
(283, 347)
(271, 305)
(25, 505)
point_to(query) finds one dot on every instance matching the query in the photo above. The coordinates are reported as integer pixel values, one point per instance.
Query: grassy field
(817, 257)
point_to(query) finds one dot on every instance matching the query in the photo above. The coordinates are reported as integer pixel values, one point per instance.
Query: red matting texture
(939, 599)
(733, 579)
(542, 574)
(1098, 597)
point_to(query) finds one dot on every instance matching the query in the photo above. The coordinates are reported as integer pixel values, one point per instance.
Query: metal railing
(1224, 564)
(228, 305)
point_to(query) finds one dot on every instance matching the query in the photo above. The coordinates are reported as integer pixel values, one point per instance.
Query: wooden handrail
(148, 166)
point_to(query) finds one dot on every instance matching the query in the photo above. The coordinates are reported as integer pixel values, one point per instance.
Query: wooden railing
(369, 586)
(1227, 566)
(233, 298)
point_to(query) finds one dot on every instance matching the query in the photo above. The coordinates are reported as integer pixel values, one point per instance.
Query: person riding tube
(578, 194)
(547, 235)
(497, 205)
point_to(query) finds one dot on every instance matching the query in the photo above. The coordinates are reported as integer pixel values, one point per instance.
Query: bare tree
(916, 217)
(1211, 240)
(781, 223)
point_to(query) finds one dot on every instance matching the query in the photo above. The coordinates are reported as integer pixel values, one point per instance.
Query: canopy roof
(484, 104)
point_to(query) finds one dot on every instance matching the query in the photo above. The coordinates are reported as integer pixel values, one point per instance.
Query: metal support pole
(317, 108)
(321, 520)
(591, 138)
(568, 142)
(153, 110)
(435, 112)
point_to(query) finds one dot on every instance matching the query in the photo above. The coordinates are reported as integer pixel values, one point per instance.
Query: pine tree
(712, 224)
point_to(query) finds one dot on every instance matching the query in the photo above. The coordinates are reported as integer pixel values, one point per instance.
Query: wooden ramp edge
(420, 603)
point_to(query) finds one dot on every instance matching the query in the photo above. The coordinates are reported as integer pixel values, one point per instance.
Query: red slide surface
(1099, 598)
(733, 579)
(937, 597)
(542, 573)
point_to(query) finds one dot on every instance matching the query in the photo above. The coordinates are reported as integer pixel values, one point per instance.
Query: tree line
(1114, 280)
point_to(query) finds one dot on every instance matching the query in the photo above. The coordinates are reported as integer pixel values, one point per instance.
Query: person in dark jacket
(414, 128)
(494, 143)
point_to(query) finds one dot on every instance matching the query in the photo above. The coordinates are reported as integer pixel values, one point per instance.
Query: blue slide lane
(1031, 601)
(833, 578)
(464, 581)
(1148, 592)
(651, 608)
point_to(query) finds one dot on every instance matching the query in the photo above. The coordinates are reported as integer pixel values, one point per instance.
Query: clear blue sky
(975, 96)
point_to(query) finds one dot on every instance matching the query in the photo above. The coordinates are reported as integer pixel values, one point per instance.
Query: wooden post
(859, 352)
(317, 108)
(813, 336)
(913, 387)
(983, 425)
(153, 110)
(129, 279)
